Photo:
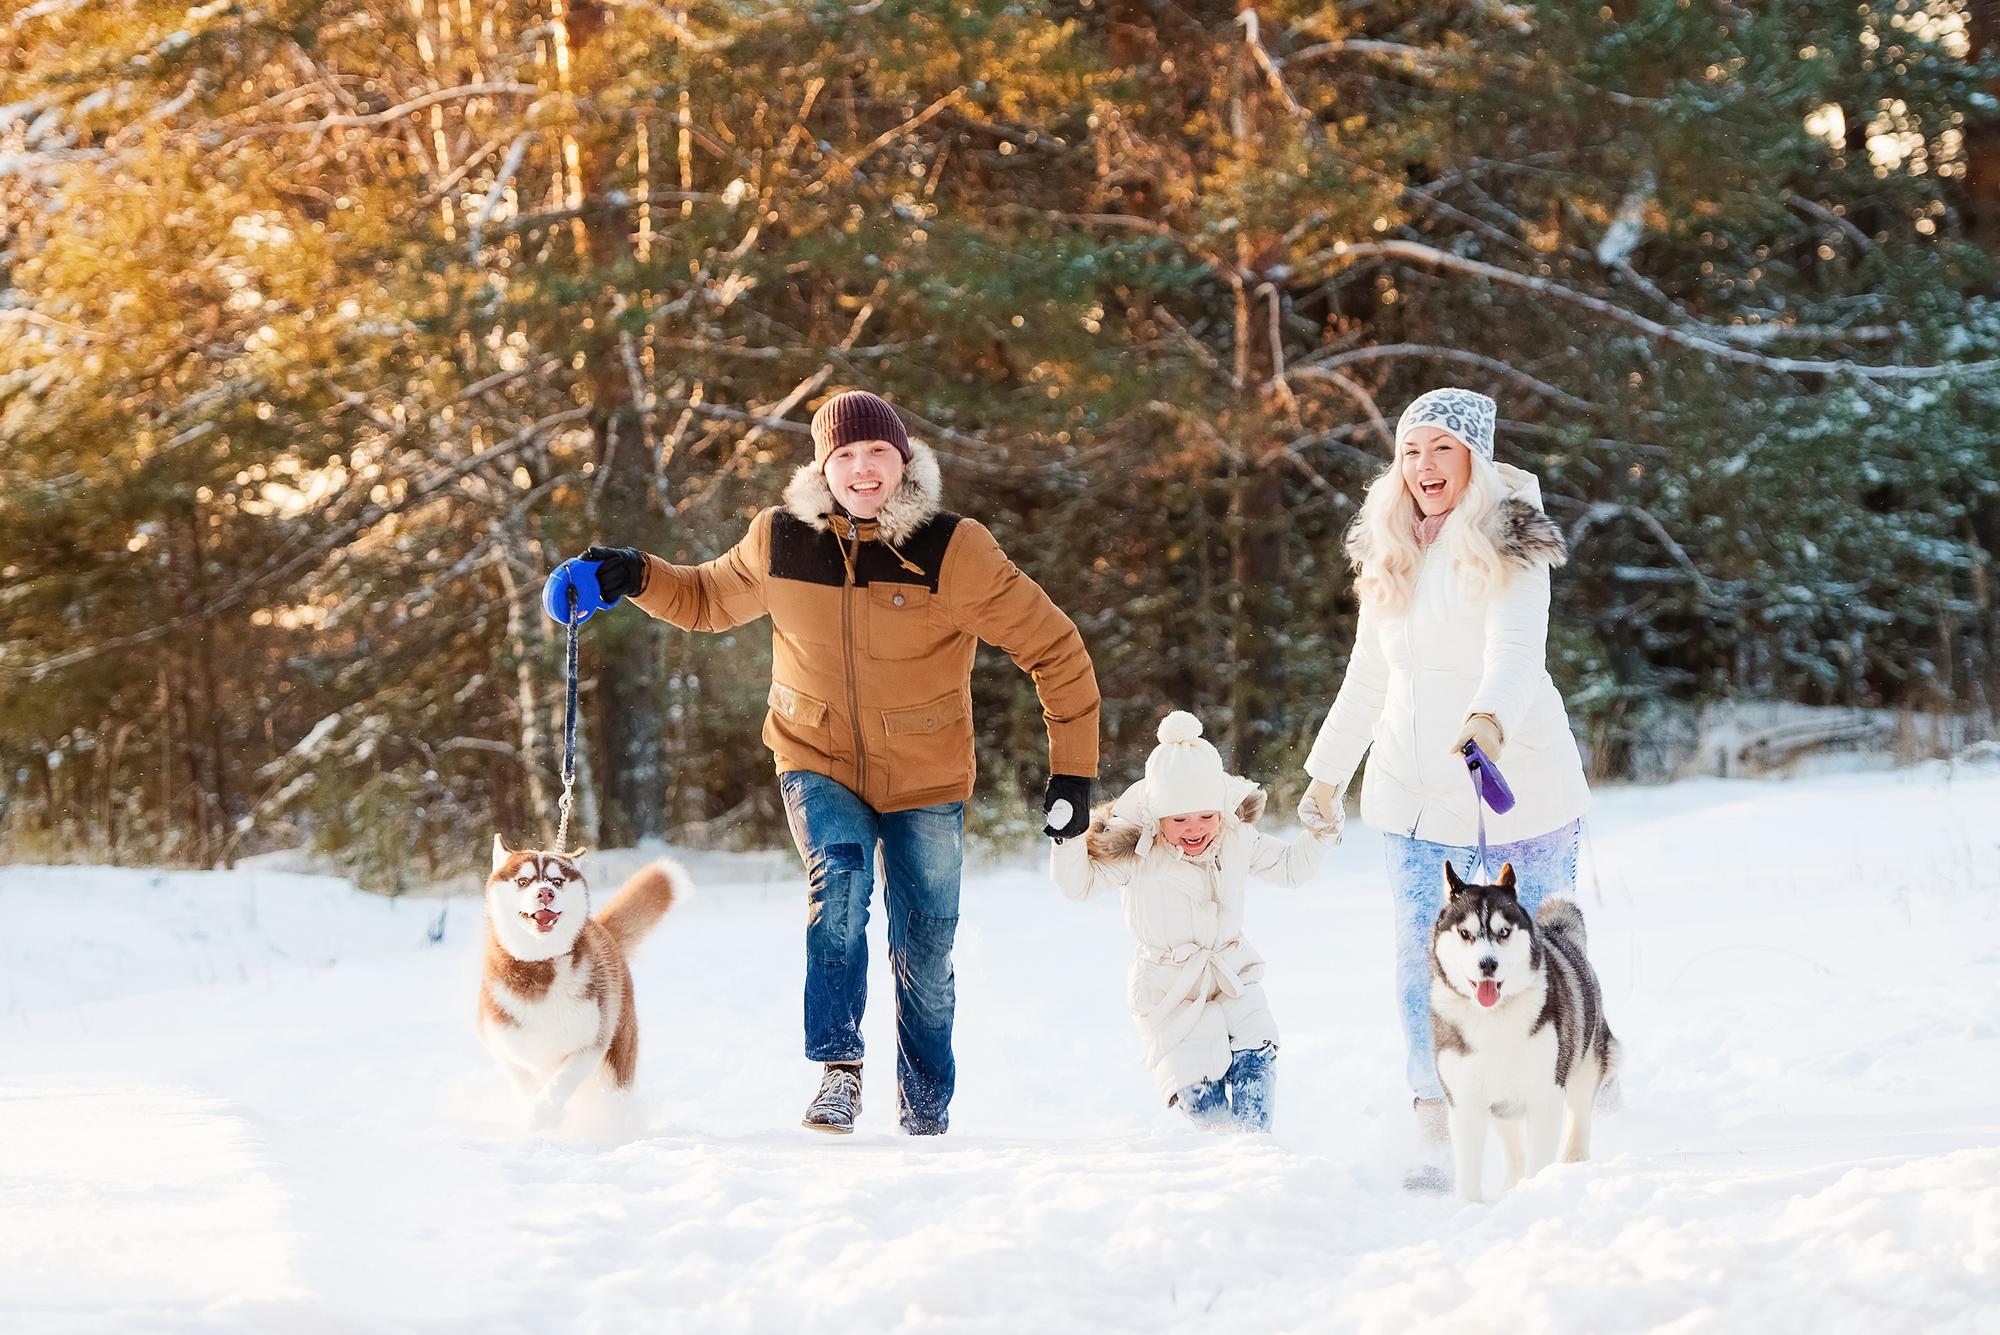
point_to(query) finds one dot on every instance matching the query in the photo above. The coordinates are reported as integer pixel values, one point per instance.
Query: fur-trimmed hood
(917, 498)
(1522, 533)
(1123, 829)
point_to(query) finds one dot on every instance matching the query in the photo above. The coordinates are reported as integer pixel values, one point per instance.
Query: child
(1179, 845)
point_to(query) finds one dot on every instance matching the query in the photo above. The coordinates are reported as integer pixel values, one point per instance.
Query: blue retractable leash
(1489, 789)
(569, 735)
(436, 932)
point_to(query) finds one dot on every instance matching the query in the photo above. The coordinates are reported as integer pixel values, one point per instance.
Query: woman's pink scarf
(1429, 526)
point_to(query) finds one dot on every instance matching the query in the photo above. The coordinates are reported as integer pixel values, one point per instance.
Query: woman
(1453, 555)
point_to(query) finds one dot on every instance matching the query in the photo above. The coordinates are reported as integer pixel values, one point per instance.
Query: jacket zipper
(1410, 657)
(853, 695)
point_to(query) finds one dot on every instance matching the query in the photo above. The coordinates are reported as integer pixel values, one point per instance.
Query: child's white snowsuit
(1195, 986)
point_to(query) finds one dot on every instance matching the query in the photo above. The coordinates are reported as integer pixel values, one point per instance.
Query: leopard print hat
(1465, 413)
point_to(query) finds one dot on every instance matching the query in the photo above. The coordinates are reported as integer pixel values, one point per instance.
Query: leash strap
(1479, 810)
(569, 737)
(1479, 807)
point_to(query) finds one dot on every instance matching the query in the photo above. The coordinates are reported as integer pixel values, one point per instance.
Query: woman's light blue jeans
(1544, 865)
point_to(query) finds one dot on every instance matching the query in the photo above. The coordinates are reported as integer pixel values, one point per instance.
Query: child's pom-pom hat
(1184, 774)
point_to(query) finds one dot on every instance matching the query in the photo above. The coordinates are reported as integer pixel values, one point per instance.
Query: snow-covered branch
(1701, 338)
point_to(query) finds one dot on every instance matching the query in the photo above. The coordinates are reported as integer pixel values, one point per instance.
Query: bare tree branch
(1354, 356)
(338, 537)
(1701, 338)
(405, 108)
(508, 166)
(1252, 37)
(843, 169)
(1861, 239)
(1607, 510)
(1354, 391)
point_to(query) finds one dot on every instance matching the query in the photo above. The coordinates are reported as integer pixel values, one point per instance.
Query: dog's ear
(500, 854)
(1452, 884)
(1506, 881)
(574, 856)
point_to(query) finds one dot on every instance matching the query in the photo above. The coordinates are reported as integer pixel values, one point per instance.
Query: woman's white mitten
(1318, 822)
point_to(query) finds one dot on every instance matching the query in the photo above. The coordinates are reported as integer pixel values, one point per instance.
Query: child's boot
(1250, 1087)
(1205, 1104)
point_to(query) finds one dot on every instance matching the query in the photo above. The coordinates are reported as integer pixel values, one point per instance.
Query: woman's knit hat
(1184, 774)
(857, 415)
(1464, 413)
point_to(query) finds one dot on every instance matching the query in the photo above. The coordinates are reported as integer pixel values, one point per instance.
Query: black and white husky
(1518, 1023)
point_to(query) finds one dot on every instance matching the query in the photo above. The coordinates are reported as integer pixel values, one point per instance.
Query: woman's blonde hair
(1382, 542)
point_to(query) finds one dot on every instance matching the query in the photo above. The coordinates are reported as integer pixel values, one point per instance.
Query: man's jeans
(837, 835)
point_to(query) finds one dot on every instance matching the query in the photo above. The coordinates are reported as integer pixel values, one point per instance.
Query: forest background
(328, 326)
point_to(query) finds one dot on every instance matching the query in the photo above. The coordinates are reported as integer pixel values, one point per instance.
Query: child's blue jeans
(1241, 1097)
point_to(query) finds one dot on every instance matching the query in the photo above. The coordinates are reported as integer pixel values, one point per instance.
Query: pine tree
(328, 328)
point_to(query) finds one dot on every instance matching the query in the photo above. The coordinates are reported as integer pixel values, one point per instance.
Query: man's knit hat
(1464, 413)
(1184, 774)
(857, 415)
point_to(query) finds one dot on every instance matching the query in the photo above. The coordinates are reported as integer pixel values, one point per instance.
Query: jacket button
(897, 600)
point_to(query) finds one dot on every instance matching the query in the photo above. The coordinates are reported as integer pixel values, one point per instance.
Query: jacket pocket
(796, 707)
(899, 621)
(796, 729)
(929, 746)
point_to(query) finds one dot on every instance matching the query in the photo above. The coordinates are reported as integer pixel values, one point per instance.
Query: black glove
(621, 571)
(1068, 788)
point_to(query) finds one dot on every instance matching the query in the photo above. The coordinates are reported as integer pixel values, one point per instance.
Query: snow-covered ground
(255, 1101)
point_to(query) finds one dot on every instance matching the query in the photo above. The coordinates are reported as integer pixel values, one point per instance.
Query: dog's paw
(544, 1115)
(1428, 1180)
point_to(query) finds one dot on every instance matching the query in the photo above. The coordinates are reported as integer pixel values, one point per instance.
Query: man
(877, 598)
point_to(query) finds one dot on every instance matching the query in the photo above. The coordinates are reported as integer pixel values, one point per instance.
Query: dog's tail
(643, 900)
(1561, 916)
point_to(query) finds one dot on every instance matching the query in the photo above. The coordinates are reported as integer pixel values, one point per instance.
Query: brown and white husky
(555, 1003)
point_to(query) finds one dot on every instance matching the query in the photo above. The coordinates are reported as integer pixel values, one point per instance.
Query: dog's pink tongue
(546, 920)
(1489, 992)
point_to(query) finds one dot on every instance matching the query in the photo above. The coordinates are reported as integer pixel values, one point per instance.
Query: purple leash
(1488, 789)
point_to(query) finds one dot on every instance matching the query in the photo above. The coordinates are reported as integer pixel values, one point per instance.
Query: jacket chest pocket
(899, 621)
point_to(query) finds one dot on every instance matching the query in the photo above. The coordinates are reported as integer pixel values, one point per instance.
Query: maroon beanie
(857, 415)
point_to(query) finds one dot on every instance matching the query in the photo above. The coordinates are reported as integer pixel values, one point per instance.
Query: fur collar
(1114, 836)
(918, 497)
(1527, 537)
(1523, 535)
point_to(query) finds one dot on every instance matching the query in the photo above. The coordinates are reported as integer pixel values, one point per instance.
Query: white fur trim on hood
(918, 497)
(1126, 827)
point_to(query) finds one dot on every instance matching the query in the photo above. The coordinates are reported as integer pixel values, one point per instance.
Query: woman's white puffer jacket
(1415, 678)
